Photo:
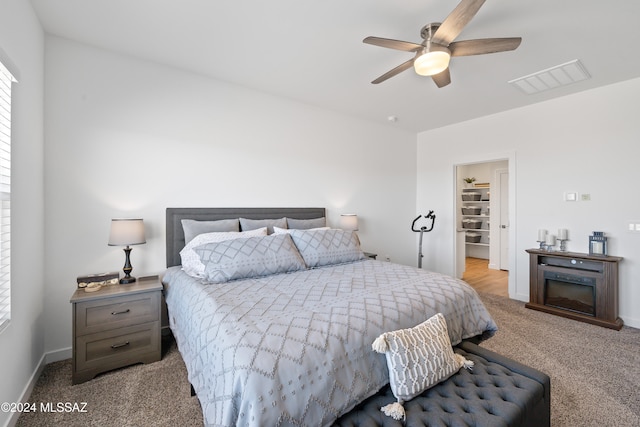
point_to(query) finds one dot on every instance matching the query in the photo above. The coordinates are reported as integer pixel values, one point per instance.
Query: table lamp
(125, 232)
(349, 222)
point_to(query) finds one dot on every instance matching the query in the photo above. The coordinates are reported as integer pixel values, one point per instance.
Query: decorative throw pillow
(252, 224)
(191, 263)
(327, 247)
(306, 224)
(252, 257)
(418, 358)
(192, 228)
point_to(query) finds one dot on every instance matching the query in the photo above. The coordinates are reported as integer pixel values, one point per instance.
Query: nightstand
(118, 325)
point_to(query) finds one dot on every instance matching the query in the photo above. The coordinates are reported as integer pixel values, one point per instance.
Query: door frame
(497, 200)
(458, 246)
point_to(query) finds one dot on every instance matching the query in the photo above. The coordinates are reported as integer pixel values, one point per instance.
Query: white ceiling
(312, 51)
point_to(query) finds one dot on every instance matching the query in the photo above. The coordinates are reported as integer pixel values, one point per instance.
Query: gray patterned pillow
(305, 224)
(252, 224)
(252, 257)
(191, 263)
(327, 247)
(192, 227)
(418, 358)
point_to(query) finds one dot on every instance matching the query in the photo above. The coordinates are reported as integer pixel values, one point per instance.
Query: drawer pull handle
(115, 346)
(113, 313)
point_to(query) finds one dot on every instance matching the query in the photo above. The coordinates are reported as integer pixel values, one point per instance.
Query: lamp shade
(125, 232)
(432, 60)
(349, 222)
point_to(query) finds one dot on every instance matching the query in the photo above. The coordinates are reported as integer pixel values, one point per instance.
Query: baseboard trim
(631, 322)
(57, 355)
(26, 392)
(520, 297)
(49, 357)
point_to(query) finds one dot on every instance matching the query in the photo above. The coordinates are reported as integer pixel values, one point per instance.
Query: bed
(294, 347)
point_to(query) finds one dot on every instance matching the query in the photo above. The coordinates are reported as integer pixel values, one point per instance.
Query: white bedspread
(295, 349)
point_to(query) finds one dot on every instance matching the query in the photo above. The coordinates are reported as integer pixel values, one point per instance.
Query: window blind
(6, 80)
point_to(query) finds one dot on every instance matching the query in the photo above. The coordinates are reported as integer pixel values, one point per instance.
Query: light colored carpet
(595, 377)
(157, 394)
(595, 371)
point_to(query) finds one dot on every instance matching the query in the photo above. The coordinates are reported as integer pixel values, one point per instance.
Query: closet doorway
(482, 225)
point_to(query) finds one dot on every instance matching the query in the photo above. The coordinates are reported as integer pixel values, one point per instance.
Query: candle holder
(542, 238)
(563, 245)
(544, 246)
(563, 236)
(550, 242)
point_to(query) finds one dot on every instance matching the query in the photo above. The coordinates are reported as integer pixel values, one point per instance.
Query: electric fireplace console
(578, 286)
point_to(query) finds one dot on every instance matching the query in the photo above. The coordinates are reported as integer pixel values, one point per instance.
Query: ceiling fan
(438, 46)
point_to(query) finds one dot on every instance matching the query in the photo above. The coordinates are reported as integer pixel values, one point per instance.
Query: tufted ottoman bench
(497, 392)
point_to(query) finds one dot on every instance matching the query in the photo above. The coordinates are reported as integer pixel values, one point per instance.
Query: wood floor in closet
(483, 279)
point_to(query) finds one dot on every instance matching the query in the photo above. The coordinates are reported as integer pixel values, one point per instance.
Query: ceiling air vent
(551, 78)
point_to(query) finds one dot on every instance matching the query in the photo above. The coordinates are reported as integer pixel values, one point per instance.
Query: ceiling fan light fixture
(439, 43)
(432, 60)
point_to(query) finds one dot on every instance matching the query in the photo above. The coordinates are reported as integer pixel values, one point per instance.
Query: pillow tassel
(394, 410)
(466, 363)
(380, 345)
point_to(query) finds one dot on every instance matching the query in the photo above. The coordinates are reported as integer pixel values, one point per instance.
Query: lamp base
(127, 268)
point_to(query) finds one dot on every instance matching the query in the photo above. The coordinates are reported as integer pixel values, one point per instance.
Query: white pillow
(418, 358)
(191, 263)
(278, 230)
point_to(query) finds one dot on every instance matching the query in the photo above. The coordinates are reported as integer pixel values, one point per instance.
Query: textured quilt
(295, 349)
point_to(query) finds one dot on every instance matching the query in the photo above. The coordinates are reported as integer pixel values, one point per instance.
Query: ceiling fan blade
(400, 68)
(392, 44)
(482, 46)
(443, 78)
(452, 26)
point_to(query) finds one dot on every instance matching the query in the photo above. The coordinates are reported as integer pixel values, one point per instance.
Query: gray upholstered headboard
(175, 234)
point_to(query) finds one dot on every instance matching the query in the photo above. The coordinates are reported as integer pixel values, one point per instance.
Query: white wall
(585, 143)
(22, 342)
(126, 137)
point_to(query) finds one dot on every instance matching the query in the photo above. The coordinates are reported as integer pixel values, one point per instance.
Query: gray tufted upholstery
(498, 392)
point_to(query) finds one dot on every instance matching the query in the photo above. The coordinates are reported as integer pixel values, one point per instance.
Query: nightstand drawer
(106, 314)
(118, 347)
